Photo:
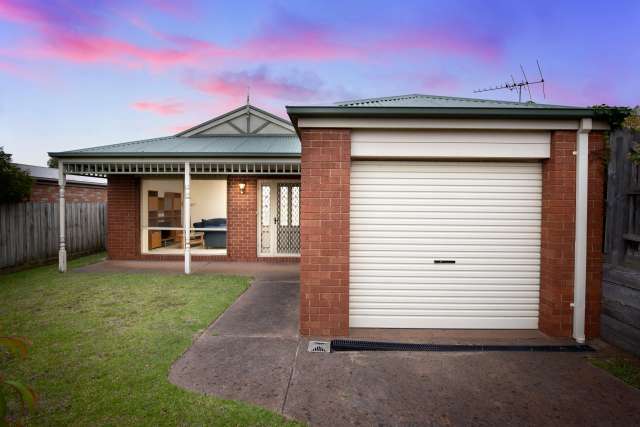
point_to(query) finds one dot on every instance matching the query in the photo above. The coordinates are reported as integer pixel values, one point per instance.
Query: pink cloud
(260, 82)
(182, 9)
(581, 94)
(440, 82)
(299, 44)
(21, 12)
(66, 33)
(450, 41)
(179, 128)
(163, 108)
(80, 48)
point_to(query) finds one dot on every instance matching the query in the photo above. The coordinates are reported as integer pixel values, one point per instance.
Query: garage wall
(438, 244)
(324, 232)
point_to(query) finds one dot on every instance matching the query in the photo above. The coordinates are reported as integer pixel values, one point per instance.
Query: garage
(435, 212)
(445, 244)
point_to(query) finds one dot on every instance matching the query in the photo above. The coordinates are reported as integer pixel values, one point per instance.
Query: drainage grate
(319, 347)
(352, 345)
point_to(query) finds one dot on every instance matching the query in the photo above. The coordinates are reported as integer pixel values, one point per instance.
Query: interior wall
(208, 199)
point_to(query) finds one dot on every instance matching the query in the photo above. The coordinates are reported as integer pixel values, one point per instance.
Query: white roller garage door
(445, 244)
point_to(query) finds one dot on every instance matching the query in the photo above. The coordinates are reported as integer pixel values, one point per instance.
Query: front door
(279, 218)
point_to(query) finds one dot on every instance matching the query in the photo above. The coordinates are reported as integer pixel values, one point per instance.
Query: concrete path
(249, 352)
(253, 353)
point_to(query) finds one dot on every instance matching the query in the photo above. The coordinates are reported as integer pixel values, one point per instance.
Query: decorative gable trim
(245, 120)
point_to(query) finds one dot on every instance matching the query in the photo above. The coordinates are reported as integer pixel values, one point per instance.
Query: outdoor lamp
(242, 185)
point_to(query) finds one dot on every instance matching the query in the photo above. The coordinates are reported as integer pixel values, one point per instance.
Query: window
(163, 214)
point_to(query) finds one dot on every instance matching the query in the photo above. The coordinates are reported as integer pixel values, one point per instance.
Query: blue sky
(83, 73)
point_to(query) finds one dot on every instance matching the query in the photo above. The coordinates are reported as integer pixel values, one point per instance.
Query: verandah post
(62, 252)
(187, 218)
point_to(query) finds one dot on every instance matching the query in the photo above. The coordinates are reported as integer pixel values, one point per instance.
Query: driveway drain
(353, 345)
(319, 347)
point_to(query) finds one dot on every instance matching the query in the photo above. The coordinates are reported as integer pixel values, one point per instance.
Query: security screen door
(279, 218)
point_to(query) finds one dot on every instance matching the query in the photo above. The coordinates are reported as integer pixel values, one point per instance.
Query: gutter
(170, 155)
(439, 112)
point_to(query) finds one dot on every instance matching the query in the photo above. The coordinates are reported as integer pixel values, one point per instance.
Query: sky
(76, 74)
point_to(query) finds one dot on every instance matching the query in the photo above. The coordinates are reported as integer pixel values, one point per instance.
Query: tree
(52, 163)
(15, 184)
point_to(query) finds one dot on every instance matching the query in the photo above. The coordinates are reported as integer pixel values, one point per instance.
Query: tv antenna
(514, 85)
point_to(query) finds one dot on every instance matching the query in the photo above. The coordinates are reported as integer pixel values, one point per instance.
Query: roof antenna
(248, 94)
(514, 85)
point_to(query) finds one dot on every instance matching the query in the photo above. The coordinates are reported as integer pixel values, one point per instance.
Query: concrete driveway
(253, 353)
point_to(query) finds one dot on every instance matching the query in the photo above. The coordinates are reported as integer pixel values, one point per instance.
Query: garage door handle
(444, 261)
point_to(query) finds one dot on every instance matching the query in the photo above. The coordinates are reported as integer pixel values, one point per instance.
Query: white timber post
(580, 264)
(187, 218)
(62, 252)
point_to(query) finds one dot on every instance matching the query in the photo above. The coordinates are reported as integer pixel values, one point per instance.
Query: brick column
(123, 217)
(324, 204)
(558, 233)
(242, 223)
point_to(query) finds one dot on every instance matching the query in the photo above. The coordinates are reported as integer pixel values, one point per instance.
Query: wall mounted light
(242, 186)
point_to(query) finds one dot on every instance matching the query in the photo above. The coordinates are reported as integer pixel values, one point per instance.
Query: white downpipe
(62, 252)
(580, 264)
(187, 218)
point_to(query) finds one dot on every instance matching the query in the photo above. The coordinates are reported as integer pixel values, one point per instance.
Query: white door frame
(273, 183)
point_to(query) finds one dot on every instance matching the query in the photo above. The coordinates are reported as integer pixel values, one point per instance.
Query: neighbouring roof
(41, 173)
(246, 131)
(420, 105)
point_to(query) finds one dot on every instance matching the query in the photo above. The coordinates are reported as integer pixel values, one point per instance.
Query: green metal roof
(419, 105)
(196, 146)
(431, 101)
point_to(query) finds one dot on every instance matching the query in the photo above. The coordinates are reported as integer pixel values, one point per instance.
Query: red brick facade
(324, 265)
(74, 193)
(558, 233)
(124, 222)
(123, 217)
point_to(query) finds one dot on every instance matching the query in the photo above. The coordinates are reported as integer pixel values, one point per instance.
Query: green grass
(625, 370)
(103, 345)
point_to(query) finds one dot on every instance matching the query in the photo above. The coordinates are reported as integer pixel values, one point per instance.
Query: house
(412, 211)
(80, 188)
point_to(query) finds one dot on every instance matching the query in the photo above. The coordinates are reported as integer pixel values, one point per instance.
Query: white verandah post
(62, 253)
(187, 218)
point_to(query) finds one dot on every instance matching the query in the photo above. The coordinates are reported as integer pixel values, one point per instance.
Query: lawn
(103, 345)
(623, 368)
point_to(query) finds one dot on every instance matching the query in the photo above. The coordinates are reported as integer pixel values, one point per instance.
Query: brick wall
(123, 217)
(558, 233)
(324, 263)
(48, 192)
(242, 222)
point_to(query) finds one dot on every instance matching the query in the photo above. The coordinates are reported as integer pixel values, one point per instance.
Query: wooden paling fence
(29, 231)
(621, 280)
